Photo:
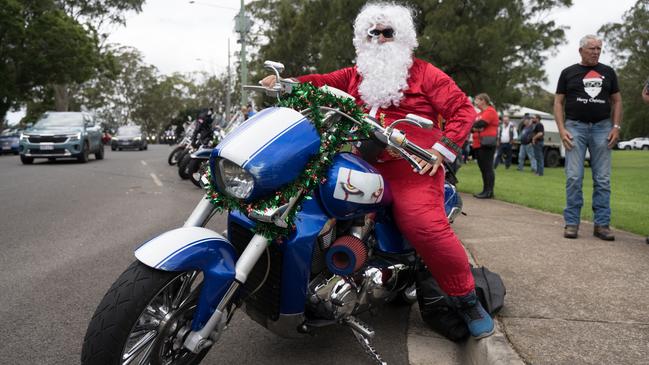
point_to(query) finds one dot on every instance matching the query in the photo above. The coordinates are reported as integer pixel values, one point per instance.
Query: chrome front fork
(201, 214)
(198, 340)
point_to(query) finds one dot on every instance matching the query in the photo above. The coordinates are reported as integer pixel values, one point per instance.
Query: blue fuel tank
(353, 188)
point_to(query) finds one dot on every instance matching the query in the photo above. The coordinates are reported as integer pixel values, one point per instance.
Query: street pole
(243, 26)
(228, 88)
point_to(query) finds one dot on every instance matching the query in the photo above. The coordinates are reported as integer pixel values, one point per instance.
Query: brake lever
(390, 128)
(406, 155)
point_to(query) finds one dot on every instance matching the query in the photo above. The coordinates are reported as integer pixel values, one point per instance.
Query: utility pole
(243, 27)
(228, 88)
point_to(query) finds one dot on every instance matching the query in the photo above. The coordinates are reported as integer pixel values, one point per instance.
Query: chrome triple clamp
(364, 334)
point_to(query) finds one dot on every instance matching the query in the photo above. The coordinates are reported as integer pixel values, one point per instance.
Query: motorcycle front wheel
(183, 166)
(144, 318)
(195, 169)
(173, 156)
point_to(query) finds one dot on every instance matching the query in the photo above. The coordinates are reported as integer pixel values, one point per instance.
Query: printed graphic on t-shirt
(592, 86)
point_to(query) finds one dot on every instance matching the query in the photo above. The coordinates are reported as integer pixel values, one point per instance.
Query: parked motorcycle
(344, 254)
(194, 161)
(185, 159)
(198, 164)
(177, 153)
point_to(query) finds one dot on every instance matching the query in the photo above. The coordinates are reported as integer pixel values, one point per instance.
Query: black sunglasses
(387, 32)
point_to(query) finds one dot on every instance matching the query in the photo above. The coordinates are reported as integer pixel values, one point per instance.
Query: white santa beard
(384, 68)
(592, 91)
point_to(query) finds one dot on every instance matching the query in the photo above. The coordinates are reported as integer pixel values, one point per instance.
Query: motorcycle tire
(183, 165)
(182, 155)
(195, 169)
(136, 322)
(173, 156)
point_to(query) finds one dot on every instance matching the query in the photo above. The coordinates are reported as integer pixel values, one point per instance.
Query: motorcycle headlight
(74, 137)
(236, 181)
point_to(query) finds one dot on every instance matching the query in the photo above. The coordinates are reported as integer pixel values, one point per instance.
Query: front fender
(194, 248)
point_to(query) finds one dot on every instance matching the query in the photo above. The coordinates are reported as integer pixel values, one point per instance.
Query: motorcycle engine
(354, 281)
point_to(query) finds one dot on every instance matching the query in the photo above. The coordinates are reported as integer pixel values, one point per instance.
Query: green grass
(629, 189)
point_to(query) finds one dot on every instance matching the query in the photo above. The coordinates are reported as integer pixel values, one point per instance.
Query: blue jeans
(594, 138)
(504, 149)
(538, 156)
(526, 150)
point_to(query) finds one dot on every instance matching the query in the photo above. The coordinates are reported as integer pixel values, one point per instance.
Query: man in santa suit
(390, 83)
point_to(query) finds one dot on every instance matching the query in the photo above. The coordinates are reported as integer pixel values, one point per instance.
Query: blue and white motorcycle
(344, 255)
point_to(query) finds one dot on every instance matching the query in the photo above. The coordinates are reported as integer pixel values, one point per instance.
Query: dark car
(129, 137)
(9, 141)
(62, 135)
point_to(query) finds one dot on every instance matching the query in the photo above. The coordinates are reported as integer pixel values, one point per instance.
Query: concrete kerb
(427, 347)
(493, 350)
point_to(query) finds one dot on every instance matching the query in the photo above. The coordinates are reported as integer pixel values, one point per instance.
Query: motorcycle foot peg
(304, 329)
(359, 327)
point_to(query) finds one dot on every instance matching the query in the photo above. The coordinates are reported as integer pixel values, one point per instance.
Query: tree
(305, 35)
(206, 91)
(116, 94)
(100, 12)
(11, 35)
(39, 46)
(493, 46)
(629, 42)
(133, 92)
(93, 14)
(160, 101)
(536, 97)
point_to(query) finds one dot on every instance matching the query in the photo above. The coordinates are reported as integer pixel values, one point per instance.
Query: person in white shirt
(506, 135)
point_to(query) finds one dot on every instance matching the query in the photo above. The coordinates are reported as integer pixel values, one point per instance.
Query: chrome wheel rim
(159, 332)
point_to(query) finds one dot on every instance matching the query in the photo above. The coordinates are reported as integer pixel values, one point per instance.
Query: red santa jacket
(430, 93)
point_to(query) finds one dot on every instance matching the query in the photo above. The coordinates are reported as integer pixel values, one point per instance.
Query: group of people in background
(531, 133)
(493, 139)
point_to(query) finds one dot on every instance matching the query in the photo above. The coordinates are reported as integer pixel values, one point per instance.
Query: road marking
(155, 179)
(143, 162)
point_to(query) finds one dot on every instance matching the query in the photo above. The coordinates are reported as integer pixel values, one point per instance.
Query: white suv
(640, 143)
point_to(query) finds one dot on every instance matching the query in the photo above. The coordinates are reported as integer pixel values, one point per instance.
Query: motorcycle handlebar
(400, 140)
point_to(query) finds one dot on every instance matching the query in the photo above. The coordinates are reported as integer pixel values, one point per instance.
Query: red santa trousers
(418, 209)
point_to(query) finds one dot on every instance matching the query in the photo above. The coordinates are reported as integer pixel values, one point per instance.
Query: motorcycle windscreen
(274, 146)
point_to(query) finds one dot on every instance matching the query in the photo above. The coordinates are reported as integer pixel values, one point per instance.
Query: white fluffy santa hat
(390, 14)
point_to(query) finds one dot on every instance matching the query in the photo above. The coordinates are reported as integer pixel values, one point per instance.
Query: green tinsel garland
(303, 96)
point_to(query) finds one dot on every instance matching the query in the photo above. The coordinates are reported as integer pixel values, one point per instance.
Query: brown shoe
(603, 233)
(570, 231)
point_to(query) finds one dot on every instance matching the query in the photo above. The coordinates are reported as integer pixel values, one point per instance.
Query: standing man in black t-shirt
(538, 132)
(593, 113)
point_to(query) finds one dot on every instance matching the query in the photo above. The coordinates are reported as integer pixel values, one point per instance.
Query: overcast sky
(177, 36)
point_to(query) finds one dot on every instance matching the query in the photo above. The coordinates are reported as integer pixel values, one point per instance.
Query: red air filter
(346, 255)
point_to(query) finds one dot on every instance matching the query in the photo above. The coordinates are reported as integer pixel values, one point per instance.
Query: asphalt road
(68, 230)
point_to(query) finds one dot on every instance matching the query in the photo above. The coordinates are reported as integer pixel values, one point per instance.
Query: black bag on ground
(490, 289)
(439, 313)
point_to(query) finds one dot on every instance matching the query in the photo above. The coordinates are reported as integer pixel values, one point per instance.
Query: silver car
(62, 135)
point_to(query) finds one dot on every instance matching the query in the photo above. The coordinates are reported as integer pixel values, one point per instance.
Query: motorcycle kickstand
(364, 333)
